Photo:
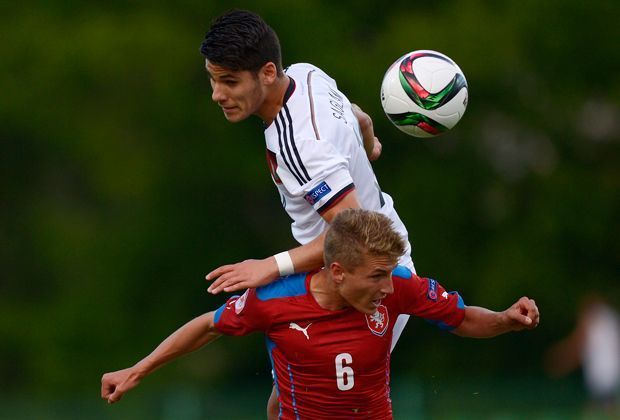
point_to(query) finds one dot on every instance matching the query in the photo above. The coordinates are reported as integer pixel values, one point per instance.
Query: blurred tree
(121, 185)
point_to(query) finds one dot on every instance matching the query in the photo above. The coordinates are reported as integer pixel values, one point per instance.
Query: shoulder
(309, 76)
(401, 272)
(289, 286)
(302, 68)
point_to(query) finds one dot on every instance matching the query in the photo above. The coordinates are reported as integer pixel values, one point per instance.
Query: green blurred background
(122, 185)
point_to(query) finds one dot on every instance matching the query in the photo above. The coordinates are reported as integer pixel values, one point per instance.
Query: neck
(324, 291)
(274, 100)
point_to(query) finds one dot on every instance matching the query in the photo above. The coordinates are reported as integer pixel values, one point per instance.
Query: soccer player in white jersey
(317, 150)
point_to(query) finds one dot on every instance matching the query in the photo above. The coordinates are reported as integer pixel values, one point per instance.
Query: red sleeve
(427, 299)
(240, 315)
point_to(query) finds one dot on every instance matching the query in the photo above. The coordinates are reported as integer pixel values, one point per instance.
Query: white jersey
(601, 352)
(316, 156)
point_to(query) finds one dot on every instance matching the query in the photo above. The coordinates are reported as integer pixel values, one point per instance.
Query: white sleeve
(315, 170)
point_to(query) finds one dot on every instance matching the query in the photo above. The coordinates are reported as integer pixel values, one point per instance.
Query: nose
(217, 95)
(388, 286)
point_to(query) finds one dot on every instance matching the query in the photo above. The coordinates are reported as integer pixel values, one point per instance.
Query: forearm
(256, 273)
(190, 337)
(482, 323)
(309, 256)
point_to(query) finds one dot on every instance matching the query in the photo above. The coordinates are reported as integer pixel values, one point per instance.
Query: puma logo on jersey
(296, 327)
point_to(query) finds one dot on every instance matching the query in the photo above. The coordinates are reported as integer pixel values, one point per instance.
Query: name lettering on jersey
(379, 321)
(336, 103)
(317, 193)
(432, 290)
(296, 327)
(240, 303)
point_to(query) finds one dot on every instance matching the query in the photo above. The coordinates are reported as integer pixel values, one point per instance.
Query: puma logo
(295, 326)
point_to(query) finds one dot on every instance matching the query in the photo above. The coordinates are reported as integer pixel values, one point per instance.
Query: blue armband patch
(432, 290)
(317, 193)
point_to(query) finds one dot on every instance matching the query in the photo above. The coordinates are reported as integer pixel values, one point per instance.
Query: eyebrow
(224, 76)
(383, 270)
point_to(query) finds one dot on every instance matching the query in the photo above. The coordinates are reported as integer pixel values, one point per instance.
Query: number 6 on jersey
(344, 374)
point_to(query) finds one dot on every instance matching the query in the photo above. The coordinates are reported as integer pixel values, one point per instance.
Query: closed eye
(378, 276)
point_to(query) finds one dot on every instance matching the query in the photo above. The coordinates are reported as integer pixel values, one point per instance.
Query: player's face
(365, 287)
(239, 93)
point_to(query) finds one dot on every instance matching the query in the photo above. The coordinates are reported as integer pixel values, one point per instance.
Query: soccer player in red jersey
(329, 332)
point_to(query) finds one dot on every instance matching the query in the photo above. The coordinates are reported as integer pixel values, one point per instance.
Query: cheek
(256, 95)
(361, 292)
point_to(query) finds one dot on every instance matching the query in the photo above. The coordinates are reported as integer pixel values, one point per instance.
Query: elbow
(365, 121)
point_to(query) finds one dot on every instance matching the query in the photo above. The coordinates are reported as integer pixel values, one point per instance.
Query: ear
(268, 73)
(337, 272)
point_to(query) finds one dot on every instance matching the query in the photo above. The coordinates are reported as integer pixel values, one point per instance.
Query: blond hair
(355, 233)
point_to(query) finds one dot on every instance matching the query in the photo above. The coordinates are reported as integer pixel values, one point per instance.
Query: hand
(371, 143)
(522, 315)
(115, 384)
(243, 275)
(374, 152)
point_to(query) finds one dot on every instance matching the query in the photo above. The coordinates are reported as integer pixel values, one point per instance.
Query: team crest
(378, 322)
(272, 161)
(240, 303)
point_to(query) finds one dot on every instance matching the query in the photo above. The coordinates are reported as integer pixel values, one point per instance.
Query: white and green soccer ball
(424, 93)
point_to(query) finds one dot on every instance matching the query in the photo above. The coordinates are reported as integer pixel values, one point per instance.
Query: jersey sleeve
(315, 170)
(427, 299)
(240, 315)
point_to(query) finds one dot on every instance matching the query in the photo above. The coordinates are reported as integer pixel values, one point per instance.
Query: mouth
(376, 302)
(228, 109)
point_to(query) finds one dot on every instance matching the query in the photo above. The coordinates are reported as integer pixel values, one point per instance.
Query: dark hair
(241, 40)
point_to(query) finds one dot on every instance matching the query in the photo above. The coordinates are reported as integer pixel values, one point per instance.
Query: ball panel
(416, 122)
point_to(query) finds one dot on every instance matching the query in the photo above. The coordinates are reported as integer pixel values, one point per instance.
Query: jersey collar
(289, 90)
(287, 94)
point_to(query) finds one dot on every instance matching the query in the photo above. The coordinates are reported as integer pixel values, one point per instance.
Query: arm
(565, 356)
(482, 323)
(371, 143)
(255, 273)
(191, 336)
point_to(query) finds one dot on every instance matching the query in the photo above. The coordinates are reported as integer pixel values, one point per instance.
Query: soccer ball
(424, 93)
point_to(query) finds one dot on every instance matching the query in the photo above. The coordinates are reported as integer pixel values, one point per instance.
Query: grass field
(412, 399)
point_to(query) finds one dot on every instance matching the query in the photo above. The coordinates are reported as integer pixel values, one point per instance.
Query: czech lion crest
(379, 321)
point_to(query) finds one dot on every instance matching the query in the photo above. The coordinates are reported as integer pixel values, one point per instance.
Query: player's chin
(235, 115)
(371, 307)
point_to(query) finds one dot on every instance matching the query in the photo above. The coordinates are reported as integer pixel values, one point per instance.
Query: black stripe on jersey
(290, 122)
(288, 165)
(289, 90)
(336, 198)
(289, 143)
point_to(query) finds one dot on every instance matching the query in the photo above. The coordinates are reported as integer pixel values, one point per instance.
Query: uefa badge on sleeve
(379, 321)
(240, 303)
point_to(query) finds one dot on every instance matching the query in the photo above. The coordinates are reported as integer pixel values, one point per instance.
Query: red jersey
(334, 364)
